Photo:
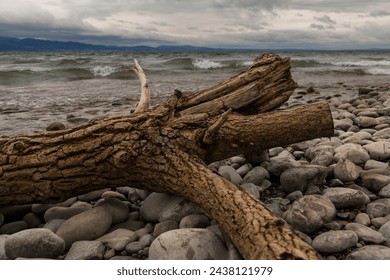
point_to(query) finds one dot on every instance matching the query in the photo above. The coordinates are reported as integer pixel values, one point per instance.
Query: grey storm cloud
(217, 23)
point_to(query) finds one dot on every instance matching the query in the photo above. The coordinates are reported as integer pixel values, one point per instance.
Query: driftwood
(167, 149)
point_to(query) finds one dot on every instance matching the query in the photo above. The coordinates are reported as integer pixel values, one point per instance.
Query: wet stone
(54, 224)
(278, 165)
(294, 195)
(366, 234)
(3, 256)
(363, 219)
(230, 174)
(55, 126)
(124, 190)
(385, 191)
(346, 198)
(374, 164)
(320, 155)
(346, 171)
(59, 212)
(256, 176)
(40, 209)
(113, 194)
(335, 241)
(302, 177)
(15, 213)
(194, 221)
(146, 240)
(143, 231)
(118, 239)
(376, 209)
(34, 243)
(188, 244)
(380, 221)
(157, 203)
(385, 201)
(243, 170)
(133, 196)
(368, 122)
(375, 182)
(87, 225)
(333, 183)
(32, 220)
(129, 224)
(134, 247)
(92, 196)
(13, 227)
(165, 226)
(275, 151)
(310, 213)
(383, 134)
(352, 152)
(179, 210)
(110, 253)
(363, 135)
(343, 124)
(118, 209)
(252, 189)
(370, 252)
(237, 159)
(143, 194)
(333, 225)
(379, 150)
(86, 250)
(385, 230)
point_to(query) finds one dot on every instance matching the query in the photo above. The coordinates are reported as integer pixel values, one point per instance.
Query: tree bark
(166, 149)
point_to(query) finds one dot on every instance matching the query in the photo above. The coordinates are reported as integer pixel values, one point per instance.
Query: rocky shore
(335, 192)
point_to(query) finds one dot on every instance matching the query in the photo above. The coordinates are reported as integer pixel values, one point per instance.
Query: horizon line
(196, 48)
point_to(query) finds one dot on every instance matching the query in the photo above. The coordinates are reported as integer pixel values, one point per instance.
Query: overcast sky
(333, 24)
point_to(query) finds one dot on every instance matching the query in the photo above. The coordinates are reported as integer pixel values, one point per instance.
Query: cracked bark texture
(166, 149)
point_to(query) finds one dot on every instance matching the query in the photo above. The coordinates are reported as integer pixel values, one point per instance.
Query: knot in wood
(16, 148)
(122, 158)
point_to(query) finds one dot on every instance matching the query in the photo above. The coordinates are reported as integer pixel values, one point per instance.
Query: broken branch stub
(144, 102)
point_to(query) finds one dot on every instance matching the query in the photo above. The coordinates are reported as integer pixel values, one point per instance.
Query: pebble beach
(334, 192)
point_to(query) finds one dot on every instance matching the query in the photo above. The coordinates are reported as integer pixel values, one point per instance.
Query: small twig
(211, 132)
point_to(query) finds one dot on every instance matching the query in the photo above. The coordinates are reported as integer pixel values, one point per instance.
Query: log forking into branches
(166, 149)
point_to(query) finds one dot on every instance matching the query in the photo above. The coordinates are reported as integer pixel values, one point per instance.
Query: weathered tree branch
(144, 102)
(166, 150)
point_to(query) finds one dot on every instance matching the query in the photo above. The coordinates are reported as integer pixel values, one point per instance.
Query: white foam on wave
(379, 71)
(247, 63)
(364, 63)
(206, 64)
(103, 71)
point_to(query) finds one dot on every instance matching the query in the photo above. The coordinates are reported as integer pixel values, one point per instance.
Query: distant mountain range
(37, 45)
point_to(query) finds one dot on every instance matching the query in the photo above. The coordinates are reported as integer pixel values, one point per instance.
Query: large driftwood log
(166, 149)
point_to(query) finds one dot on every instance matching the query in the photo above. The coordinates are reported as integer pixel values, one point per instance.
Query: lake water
(39, 88)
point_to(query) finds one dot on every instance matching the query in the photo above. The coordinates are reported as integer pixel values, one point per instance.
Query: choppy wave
(191, 63)
(246, 63)
(379, 71)
(21, 68)
(104, 71)
(179, 63)
(9, 77)
(307, 63)
(362, 63)
(206, 64)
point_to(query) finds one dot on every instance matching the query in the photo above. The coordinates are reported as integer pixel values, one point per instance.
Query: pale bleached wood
(144, 102)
